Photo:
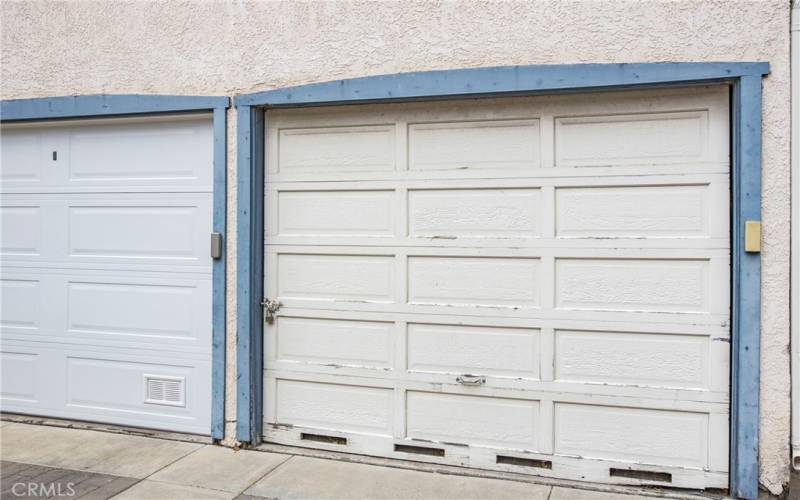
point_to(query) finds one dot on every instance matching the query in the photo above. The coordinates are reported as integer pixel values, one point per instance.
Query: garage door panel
(457, 349)
(139, 312)
(320, 277)
(336, 212)
(73, 230)
(472, 419)
(100, 155)
(145, 151)
(635, 212)
(109, 385)
(473, 281)
(154, 229)
(644, 285)
(667, 212)
(571, 252)
(334, 406)
(21, 228)
(336, 149)
(108, 308)
(475, 213)
(663, 360)
(23, 157)
(332, 342)
(21, 305)
(131, 386)
(18, 377)
(632, 434)
(490, 144)
(648, 138)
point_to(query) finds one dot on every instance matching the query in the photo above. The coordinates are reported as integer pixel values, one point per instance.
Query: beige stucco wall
(206, 47)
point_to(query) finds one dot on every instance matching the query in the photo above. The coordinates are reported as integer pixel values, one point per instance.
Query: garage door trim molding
(745, 80)
(105, 105)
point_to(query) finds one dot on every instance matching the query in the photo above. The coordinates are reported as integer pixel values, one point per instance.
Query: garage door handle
(471, 379)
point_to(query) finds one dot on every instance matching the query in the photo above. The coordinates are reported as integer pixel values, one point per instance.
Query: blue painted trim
(244, 266)
(104, 105)
(218, 277)
(745, 78)
(249, 272)
(97, 106)
(746, 284)
(505, 80)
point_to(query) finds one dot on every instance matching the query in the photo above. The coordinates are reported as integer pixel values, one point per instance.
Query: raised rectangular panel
(632, 358)
(632, 285)
(334, 406)
(337, 149)
(478, 281)
(334, 341)
(639, 435)
(340, 213)
(336, 277)
(124, 386)
(18, 376)
(20, 156)
(19, 304)
(156, 151)
(646, 138)
(475, 144)
(488, 213)
(141, 232)
(136, 312)
(484, 350)
(632, 211)
(509, 423)
(20, 230)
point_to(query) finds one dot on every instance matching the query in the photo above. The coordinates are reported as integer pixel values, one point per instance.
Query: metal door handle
(467, 379)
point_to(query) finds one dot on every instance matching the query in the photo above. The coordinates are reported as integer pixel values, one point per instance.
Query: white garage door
(536, 285)
(106, 274)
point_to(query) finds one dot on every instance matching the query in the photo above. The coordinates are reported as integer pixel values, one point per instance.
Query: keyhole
(55, 155)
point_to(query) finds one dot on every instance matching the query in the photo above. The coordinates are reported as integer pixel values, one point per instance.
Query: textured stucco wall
(84, 47)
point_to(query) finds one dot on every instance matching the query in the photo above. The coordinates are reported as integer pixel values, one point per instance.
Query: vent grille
(161, 390)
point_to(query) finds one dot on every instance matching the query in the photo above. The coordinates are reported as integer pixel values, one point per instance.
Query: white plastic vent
(164, 390)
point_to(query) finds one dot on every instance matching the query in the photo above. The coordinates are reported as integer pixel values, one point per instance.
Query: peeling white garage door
(106, 277)
(536, 285)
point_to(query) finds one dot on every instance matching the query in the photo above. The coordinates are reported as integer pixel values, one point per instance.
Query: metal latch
(270, 307)
(216, 246)
(468, 379)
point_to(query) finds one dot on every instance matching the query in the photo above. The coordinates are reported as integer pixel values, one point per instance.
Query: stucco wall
(226, 48)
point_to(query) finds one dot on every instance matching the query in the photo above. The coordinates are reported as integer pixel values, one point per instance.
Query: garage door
(536, 285)
(106, 275)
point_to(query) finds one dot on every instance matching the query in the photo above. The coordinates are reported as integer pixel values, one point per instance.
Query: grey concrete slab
(573, 494)
(219, 468)
(305, 478)
(114, 454)
(139, 457)
(31, 444)
(154, 490)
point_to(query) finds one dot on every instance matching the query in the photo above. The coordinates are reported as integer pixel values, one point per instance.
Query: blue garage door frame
(743, 77)
(105, 105)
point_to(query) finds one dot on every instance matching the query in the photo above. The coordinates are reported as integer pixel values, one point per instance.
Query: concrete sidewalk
(43, 461)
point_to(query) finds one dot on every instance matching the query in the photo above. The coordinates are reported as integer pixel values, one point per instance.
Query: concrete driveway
(42, 461)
